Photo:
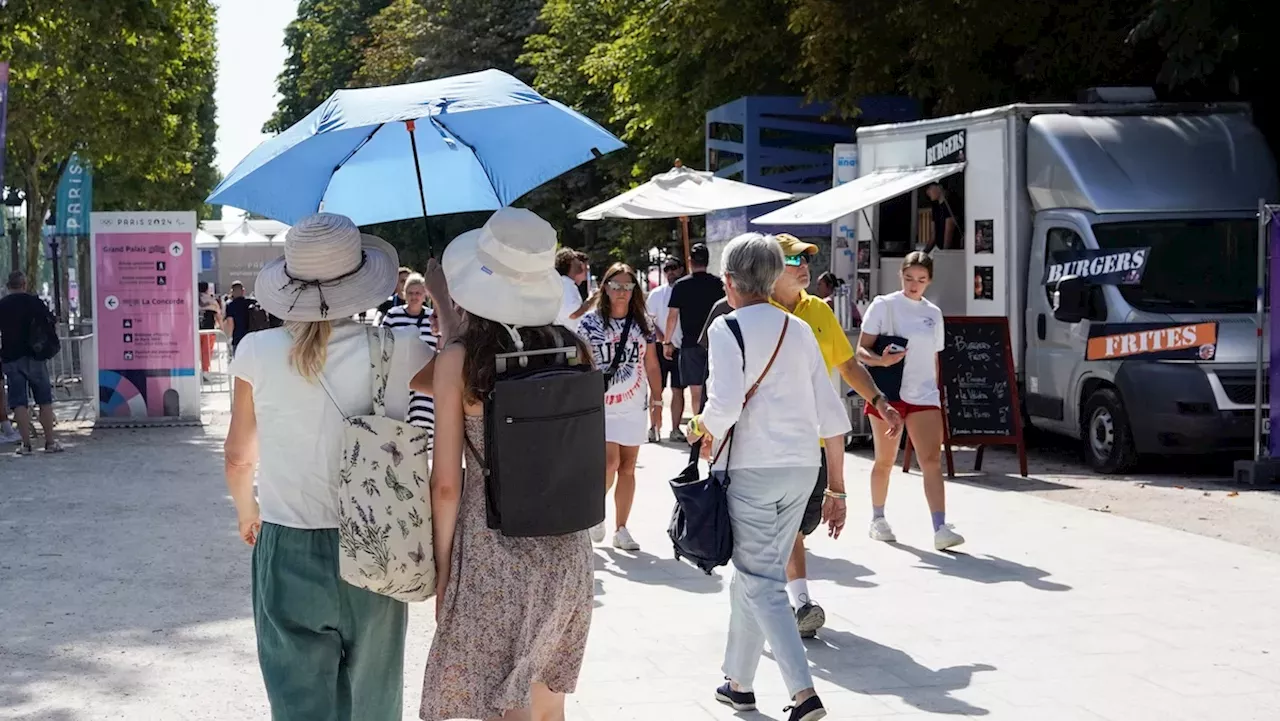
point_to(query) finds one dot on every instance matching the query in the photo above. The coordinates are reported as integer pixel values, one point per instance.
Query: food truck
(1073, 219)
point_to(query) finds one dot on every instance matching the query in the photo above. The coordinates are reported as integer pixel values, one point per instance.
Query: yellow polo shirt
(832, 341)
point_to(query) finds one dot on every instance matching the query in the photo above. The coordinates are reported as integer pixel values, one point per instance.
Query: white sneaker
(946, 537)
(880, 531)
(623, 541)
(597, 533)
(10, 436)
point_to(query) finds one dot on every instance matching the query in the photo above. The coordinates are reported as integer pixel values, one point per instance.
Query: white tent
(864, 192)
(245, 234)
(682, 192)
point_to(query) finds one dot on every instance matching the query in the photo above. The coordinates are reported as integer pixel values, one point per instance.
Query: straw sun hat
(330, 270)
(505, 271)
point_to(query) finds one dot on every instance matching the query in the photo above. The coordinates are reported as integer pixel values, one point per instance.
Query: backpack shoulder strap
(381, 345)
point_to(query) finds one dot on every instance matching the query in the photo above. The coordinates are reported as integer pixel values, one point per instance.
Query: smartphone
(895, 348)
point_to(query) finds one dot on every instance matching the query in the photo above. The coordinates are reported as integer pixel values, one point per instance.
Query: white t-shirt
(628, 391)
(300, 429)
(422, 408)
(795, 403)
(920, 322)
(659, 306)
(569, 305)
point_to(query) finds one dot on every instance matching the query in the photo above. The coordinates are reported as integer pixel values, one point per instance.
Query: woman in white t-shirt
(326, 649)
(908, 315)
(623, 342)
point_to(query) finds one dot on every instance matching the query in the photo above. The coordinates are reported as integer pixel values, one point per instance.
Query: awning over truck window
(831, 205)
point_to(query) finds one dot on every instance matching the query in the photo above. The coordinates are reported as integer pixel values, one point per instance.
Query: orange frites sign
(1152, 341)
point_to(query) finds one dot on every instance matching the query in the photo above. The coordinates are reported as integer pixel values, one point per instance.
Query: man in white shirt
(658, 305)
(573, 269)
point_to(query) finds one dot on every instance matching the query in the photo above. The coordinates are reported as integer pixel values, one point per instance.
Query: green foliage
(958, 56)
(128, 84)
(325, 43)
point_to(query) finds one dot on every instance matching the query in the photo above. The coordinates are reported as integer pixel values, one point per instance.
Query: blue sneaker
(810, 710)
(739, 700)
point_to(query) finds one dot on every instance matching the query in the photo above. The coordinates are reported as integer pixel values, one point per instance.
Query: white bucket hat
(330, 270)
(505, 271)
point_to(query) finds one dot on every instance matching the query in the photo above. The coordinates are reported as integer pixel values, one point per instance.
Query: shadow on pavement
(840, 570)
(646, 568)
(983, 569)
(927, 689)
(115, 556)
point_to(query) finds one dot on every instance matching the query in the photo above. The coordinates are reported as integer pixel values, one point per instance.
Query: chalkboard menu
(977, 378)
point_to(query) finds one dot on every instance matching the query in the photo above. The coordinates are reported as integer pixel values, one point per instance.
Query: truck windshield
(1195, 265)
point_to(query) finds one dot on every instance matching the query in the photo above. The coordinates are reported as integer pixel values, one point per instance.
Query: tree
(958, 56)
(415, 40)
(126, 84)
(325, 44)
(1219, 49)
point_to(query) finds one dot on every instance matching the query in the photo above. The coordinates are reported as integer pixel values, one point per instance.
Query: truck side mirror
(1070, 300)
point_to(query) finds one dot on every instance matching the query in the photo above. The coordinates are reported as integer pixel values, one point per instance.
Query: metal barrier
(72, 371)
(218, 378)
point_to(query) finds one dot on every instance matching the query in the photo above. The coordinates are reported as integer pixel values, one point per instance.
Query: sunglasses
(797, 260)
(616, 285)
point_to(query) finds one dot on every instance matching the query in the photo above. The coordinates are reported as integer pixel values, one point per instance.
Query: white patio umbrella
(680, 193)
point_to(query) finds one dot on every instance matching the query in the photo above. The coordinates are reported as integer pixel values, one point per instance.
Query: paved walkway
(124, 595)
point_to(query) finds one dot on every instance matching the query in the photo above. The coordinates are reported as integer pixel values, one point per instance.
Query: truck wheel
(1108, 442)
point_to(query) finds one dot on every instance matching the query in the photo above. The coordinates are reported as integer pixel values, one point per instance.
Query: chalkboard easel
(979, 390)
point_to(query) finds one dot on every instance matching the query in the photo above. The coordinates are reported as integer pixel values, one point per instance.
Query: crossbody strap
(618, 350)
(728, 439)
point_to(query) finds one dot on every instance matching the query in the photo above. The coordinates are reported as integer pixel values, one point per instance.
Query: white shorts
(626, 428)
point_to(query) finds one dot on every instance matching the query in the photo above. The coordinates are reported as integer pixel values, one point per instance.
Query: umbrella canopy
(682, 192)
(482, 140)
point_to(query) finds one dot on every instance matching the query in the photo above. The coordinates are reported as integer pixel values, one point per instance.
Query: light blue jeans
(766, 506)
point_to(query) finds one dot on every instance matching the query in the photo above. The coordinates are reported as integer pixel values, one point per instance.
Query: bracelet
(834, 494)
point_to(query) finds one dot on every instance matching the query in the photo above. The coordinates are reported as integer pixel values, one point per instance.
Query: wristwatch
(875, 400)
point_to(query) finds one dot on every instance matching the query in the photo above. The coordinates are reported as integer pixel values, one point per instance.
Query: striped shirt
(422, 409)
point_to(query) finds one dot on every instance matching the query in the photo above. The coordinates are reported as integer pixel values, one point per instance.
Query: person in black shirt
(946, 232)
(691, 299)
(25, 373)
(236, 315)
(397, 299)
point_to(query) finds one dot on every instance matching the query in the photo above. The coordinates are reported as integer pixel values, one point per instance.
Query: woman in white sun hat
(512, 614)
(326, 649)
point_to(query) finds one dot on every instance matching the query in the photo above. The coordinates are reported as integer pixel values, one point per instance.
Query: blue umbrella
(466, 143)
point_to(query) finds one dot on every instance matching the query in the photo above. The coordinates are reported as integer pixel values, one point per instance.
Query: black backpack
(42, 337)
(259, 319)
(544, 444)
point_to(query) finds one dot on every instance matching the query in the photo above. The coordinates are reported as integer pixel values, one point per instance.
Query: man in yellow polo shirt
(789, 294)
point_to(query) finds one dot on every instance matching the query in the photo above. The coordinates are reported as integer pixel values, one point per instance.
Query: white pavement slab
(124, 595)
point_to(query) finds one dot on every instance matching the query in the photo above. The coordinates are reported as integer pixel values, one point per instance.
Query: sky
(251, 54)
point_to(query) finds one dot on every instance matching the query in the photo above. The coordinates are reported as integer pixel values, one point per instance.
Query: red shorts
(903, 408)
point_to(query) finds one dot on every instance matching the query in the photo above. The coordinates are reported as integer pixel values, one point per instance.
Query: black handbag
(700, 529)
(544, 455)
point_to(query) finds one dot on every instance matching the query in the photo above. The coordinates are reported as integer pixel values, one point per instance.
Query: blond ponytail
(310, 346)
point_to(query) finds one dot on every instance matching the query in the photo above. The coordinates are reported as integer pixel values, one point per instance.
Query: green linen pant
(328, 651)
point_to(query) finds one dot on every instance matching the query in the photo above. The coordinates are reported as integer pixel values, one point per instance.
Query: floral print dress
(516, 611)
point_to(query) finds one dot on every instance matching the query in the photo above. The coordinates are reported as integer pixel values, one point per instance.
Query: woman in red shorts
(915, 325)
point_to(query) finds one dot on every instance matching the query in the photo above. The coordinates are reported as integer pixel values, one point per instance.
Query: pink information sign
(145, 310)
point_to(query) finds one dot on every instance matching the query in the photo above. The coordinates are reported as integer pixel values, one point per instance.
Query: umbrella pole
(684, 235)
(422, 195)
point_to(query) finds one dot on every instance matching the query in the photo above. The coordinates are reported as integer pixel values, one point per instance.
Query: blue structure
(784, 143)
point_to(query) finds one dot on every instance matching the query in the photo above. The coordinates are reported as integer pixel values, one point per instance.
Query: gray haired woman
(773, 458)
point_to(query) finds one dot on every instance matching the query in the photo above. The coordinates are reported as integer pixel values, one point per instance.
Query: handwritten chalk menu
(979, 388)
